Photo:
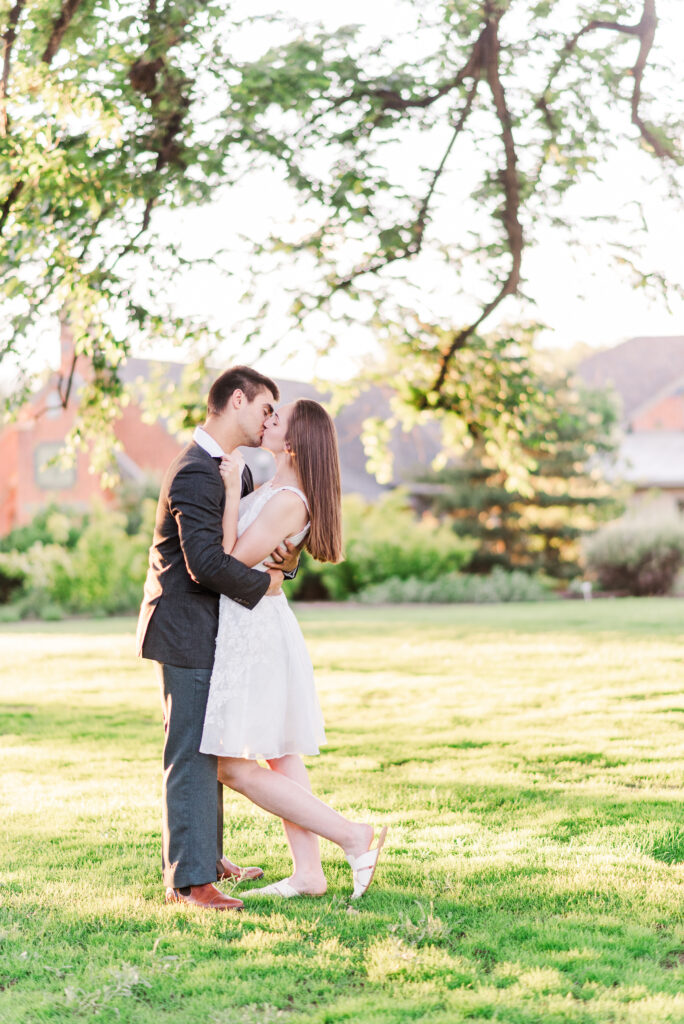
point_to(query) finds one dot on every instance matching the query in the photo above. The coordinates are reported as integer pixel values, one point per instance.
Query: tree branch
(422, 218)
(7, 205)
(483, 61)
(143, 76)
(647, 29)
(644, 30)
(420, 224)
(166, 153)
(8, 42)
(570, 46)
(64, 388)
(59, 27)
(392, 100)
(511, 191)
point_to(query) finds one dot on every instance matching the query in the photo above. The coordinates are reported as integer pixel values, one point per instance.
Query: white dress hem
(262, 695)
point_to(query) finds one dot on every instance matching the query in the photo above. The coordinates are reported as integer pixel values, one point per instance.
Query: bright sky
(577, 295)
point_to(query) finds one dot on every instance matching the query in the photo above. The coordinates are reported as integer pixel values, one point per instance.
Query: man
(178, 624)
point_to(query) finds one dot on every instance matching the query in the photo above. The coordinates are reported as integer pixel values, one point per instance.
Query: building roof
(638, 369)
(412, 451)
(651, 458)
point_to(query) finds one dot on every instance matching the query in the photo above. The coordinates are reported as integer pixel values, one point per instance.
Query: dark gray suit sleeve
(196, 503)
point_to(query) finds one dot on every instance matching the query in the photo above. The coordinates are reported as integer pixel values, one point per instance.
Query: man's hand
(275, 584)
(285, 557)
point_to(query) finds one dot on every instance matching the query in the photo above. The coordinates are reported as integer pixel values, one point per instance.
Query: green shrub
(637, 558)
(381, 541)
(108, 566)
(45, 571)
(100, 568)
(52, 525)
(50, 612)
(101, 574)
(12, 577)
(458, 588)
(10, 613)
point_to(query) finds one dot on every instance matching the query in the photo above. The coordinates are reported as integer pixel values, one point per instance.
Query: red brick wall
(667, 414)
(149, 444)
(32, 494)
(22, 495)
(8, 479)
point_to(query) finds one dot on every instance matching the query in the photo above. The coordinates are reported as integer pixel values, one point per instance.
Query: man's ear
(236, 398)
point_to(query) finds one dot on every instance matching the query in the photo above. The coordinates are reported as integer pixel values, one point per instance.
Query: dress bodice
(252, 504)
(262, 700)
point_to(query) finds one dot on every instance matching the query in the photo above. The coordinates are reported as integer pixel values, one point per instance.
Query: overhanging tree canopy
(110, 112)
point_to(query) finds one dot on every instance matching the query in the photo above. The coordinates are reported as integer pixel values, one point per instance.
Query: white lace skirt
(262, 698)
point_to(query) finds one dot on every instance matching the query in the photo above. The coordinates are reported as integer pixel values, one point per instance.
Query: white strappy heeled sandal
(363, 867)
(284, 889)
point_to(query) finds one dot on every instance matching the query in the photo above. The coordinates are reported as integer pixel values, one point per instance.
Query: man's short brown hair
(239, 378)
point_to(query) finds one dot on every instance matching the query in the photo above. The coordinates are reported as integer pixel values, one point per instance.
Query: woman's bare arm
(282, 516)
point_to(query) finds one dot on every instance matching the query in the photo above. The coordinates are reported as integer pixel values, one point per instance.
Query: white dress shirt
(213, 448)
(206, 441)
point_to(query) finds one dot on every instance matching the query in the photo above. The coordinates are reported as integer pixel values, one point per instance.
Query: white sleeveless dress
(262, 697)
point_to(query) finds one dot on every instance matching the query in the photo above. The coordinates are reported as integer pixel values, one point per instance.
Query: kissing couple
(236, 679)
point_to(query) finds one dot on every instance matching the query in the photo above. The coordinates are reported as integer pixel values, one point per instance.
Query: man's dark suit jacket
(188, 566)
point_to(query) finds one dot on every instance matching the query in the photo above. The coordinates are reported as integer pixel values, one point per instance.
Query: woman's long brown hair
(313, 443)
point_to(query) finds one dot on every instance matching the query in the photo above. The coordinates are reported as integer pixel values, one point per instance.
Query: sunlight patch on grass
(528, 761)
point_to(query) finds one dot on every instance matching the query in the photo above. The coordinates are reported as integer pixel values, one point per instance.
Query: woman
(262, 699)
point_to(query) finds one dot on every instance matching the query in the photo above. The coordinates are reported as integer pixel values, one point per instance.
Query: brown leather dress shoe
(226, 869)
(207, 896)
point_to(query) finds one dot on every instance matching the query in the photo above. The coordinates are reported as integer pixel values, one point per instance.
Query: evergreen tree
(536, 527)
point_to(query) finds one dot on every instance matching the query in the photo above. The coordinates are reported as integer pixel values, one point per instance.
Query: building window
(53, 405)
(52, 476)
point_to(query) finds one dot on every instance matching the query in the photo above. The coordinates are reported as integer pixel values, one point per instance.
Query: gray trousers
(192, 797)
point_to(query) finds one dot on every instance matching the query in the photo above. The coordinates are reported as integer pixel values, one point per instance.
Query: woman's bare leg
(304, 846)
(289, 800)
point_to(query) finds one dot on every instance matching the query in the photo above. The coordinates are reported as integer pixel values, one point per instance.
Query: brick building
(28, 483)
(648, 376)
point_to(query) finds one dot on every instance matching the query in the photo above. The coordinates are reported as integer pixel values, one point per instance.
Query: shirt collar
(207, 442)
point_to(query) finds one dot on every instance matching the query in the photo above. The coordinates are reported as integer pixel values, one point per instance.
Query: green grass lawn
(527, 759)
